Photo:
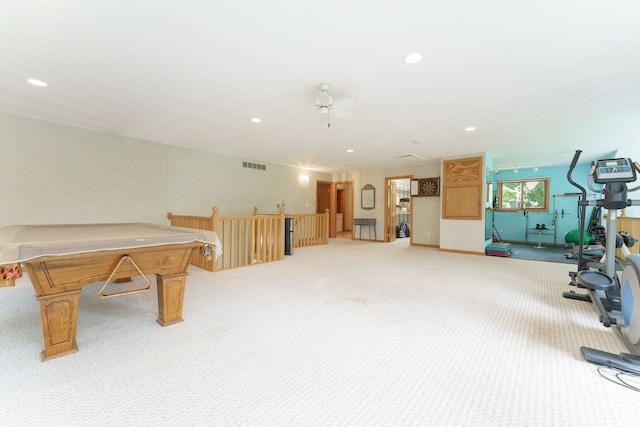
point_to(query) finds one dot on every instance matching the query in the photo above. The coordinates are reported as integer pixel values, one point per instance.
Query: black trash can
(288, 236)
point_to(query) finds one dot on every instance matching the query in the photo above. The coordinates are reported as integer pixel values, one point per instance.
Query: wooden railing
(310, 229)
(246, 240)
(200, 223)
(632, 226)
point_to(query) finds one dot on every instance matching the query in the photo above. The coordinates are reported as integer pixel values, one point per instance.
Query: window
(530, 194)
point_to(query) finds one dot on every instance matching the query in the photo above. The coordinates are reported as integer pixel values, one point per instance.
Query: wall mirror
(368, 198)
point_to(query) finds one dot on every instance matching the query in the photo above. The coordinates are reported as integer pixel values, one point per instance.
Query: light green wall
(198, 181)
(62, 174)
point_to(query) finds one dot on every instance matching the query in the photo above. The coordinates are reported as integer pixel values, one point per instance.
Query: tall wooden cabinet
(462, 189)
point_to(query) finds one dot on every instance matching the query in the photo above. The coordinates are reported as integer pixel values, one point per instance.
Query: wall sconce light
(304, 178)
(516, 171)
(536, 169)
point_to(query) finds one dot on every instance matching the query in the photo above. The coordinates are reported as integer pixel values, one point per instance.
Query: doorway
(340, 210)
(337, 197)
(398, 221)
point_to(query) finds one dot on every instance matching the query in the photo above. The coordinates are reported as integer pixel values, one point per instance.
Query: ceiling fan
(326, 106)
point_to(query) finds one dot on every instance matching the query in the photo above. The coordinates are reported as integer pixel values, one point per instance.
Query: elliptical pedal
(623, 361)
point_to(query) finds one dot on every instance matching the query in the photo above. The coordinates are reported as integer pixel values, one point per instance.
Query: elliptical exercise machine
(613, 200)
(615, 298)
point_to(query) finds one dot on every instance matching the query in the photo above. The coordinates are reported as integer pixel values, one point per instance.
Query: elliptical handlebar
(590, 181)
(637, 168)
(582, 204)
(574, 162)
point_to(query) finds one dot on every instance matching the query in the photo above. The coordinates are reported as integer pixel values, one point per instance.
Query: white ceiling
(538, 79)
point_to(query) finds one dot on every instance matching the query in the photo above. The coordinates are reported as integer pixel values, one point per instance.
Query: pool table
(61, 259)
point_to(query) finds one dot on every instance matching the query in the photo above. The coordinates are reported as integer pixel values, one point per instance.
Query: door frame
(333, 202)
(386, 207)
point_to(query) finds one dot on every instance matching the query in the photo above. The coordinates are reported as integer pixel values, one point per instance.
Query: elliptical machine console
(619, 171)
(605, 287)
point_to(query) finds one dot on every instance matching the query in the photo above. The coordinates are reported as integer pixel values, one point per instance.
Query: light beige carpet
(350, 333)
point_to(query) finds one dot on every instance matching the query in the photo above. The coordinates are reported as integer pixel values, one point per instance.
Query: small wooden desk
(62, 259)
(370, 222)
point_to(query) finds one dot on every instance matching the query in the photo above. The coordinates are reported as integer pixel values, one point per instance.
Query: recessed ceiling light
(256, 120)
(37, 82)
(413, 58)
(350, 150)
(415, 141)
(470, 128)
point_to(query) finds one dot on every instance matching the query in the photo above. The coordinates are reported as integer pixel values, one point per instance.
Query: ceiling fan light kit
(326, 106)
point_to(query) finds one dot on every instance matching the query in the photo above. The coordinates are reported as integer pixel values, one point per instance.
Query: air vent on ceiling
(409, 159)
(256, 166)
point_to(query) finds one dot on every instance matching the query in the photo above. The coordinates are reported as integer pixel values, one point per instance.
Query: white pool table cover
(19, 243)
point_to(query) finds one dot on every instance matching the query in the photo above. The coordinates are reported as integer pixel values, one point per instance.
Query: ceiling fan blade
(344, 103)
(343, 114)
(308, 105)
(323, 98)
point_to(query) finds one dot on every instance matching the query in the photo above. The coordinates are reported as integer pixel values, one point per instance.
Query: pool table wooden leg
(59, 314)
(170, 298)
